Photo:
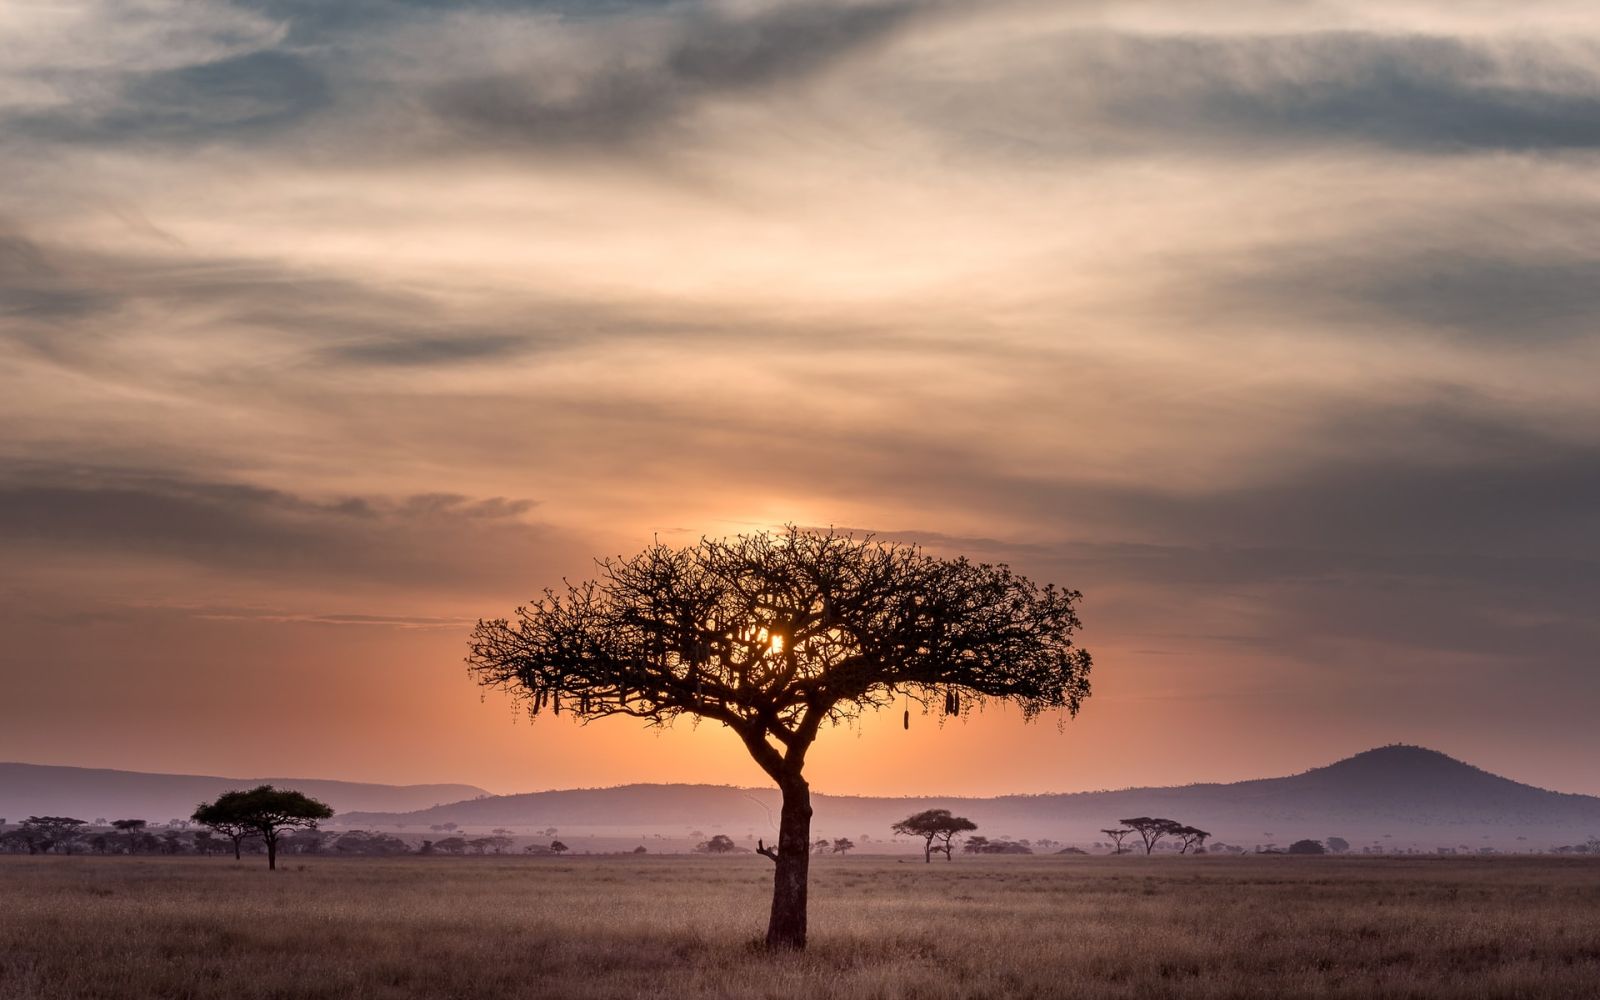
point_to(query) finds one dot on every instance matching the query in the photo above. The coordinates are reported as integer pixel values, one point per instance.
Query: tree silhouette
(45, 833)
(234, 828)
(132, 828)
(774, 635)
(932, 825)
(558, 848)
(1190, 836)
(843, 845)
(262, 811)
(1151, 829)
(1116, 837)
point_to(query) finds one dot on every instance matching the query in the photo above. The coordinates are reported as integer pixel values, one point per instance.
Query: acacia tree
(931, 825)
(231, 827)
(1190, 836)
(1116, 837)
(262, 811)
(1151, 829)
(44, 833)
(774, 635)
(131, 828)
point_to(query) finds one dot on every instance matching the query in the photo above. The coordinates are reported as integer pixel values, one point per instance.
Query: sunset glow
(328, 329)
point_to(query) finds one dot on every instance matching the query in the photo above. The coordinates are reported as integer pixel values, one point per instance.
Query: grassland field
(881, 927)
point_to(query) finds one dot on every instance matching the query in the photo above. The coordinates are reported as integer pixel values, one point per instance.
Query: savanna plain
(881, 927)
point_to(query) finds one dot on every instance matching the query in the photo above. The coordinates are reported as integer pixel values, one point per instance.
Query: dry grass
(686, 927)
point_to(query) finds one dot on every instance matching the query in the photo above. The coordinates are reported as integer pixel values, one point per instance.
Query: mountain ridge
(1391, 794)
(1397, 790)
(57, 789)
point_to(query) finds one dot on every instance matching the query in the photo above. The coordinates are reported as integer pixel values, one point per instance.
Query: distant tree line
(69, 835)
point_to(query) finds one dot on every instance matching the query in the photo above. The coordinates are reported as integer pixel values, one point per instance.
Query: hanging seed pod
(583, 704)
(908, 718)
(555, 702)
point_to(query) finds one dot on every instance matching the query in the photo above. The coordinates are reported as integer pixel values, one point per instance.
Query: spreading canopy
(932, 824)
(773, 635)
(1152, 829)
(264, 811)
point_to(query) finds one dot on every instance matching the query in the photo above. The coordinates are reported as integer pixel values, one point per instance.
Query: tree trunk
(927, 851)
(787, 926)
(237, 855)
(272, 854)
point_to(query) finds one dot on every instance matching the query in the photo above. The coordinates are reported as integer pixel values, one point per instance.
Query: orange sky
(325, 330)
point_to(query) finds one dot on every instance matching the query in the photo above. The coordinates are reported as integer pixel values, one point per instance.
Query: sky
(1272, 327)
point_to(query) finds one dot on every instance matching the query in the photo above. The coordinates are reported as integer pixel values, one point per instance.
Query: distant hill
(1395, 796)
(90, 793)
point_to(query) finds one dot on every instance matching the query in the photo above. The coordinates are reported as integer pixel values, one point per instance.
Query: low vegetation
(634, 926)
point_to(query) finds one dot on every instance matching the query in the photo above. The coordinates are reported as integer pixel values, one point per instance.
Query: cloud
(429, 350)
(426, 541)
(1110, 93)
(231, 98)
(1267, 326)
(636, 87)
(1511, 298)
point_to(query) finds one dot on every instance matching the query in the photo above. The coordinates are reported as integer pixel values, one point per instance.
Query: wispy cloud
(1270, 327)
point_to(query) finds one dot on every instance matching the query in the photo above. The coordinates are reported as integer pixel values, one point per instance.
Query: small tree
(843, 845)
(1307, 847)
(1337, 845)
(719, 844)
(1151, 829)
(130, 828)
(775, 636)
(263, 811)
(1190, 836)
(821, 846)
(557, 847)
(43, 834)
(1116, 837)
(934, 825)
(233, 828)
